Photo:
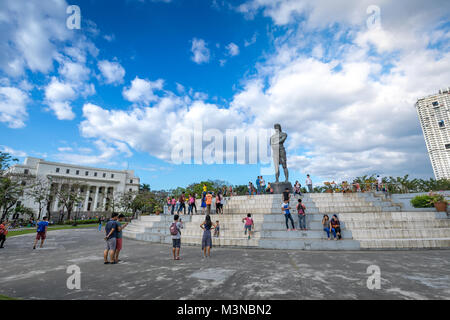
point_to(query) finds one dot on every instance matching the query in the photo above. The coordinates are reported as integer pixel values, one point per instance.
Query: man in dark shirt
(111, 230)
(181, 200)
(286, 195)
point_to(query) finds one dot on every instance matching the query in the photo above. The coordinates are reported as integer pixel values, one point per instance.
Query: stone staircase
(368, 221)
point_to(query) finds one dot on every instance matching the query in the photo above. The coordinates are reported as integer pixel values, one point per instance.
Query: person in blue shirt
(287, 214)
(41, 232)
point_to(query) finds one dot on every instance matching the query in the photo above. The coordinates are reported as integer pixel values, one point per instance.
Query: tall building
(434, 116)
(96, 187)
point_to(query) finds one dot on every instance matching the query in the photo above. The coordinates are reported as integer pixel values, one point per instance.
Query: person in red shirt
(3, 233)
(208, 203)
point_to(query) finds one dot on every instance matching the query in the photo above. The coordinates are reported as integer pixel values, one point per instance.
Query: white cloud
(142, 90)
(112, 72)
(106, 152)
(233, 49)
(13, 110)
(30, 33)
(58, 95)
(13, 152)
(200, 51)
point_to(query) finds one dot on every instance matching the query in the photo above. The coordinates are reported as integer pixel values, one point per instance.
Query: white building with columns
(97, 186)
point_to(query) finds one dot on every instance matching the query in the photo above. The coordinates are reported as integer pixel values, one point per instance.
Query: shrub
(423, 201)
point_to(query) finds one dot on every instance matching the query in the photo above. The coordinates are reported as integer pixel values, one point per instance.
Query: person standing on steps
(258, 185)
(301, 215)
(173, 203)
(309, 183)
(181, 200)
(286, 195)
(285, 208)
(207, 225)
(208, 203)
(263, 185)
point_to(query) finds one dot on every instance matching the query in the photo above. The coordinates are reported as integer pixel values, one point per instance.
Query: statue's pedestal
(279, 187)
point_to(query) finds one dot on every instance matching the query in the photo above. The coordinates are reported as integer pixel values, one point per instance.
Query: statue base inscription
(279, 187)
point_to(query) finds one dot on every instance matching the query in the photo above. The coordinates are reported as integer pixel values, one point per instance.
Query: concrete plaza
(148, 272)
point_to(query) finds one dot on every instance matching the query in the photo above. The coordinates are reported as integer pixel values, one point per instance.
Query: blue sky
(122, 90)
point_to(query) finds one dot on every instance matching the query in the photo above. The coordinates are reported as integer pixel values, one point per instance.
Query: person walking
(111, 228)
(249, 224)
(379, 182)
(175, 231)
(207, 225)
(3, 233)
(309, 183)
(42, 227)
(287, 215)
(301, 215)
(120, 227)
(100, 221)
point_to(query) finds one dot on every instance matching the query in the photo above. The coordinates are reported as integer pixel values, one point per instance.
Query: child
(41, 232)
(301, 215)
(217, 229)
(248, 225)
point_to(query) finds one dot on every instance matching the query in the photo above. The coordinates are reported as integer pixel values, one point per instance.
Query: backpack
(173, 229)
(300, 209)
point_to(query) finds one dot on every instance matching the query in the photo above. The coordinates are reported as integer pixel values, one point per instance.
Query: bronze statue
(278, 152)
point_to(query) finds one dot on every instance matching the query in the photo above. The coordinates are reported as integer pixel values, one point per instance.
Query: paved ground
(148, 272)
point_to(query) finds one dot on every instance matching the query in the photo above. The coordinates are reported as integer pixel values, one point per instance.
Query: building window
(447, 146)
(104, 175)
(67, 171)
(435, 103)
(95, 174)
(77, 172)
(112, 175)
(86, 173)
(441, 123)
(57, 170)
(25, 171)
(131, 181)
(131, 189)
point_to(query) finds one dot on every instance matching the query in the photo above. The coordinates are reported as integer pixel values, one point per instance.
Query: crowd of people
(114, 226)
